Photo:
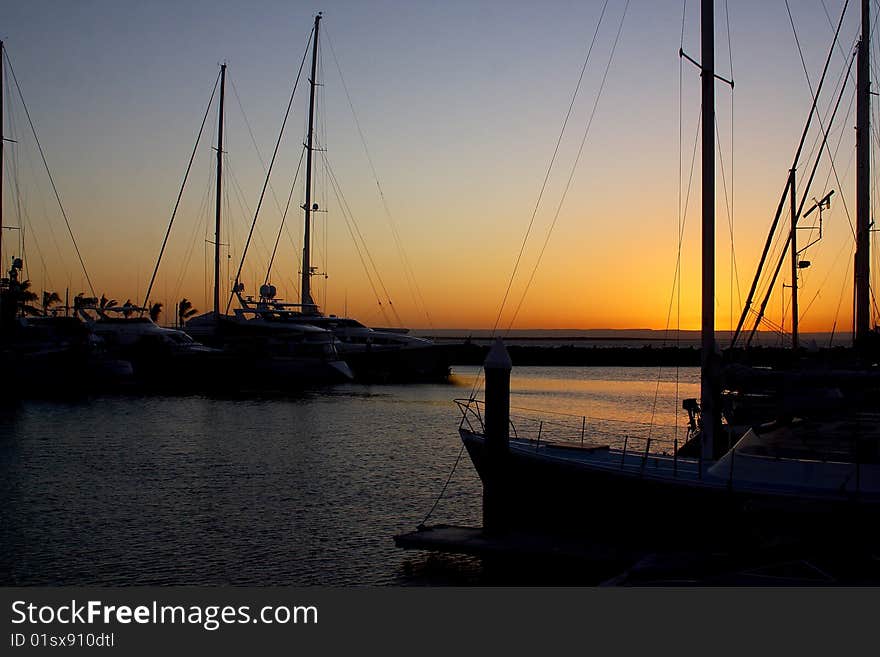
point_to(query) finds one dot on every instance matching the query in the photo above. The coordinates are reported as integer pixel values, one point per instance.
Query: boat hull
(601, 501)
(423, 364)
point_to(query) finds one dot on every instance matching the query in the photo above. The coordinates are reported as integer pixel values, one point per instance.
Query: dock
(616, 566)
(475, 541)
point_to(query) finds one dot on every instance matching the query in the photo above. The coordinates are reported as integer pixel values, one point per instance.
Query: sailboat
(375, 355)
(797, 381)
(814, 479)
(43, 352)
(259, 354)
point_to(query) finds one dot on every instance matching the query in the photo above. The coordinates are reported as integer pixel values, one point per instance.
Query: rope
(734, 270)
(271, 164)
(443, 490)
(728, 203)
(409, 273)
(763, 259)
(284, 218)
(49, 173)
(549, 169)
(203, 222)
(812, 94)
(271, 188)
(14, 155)
(675, 295)
(573, 168)
(359, 243)
(180, 193)
(824, 147)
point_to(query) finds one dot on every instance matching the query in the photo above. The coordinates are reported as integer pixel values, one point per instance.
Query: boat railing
(543, 428)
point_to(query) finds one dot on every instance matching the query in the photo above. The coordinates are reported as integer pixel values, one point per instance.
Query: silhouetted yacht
(374, 355)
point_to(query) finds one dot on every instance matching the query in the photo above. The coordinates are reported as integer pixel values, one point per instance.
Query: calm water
(298, 490)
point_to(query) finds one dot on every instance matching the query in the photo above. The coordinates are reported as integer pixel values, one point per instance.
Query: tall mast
(709, 386)
(1, 151)
(863, 182)
(794, 265)
(307, 302)
(219, 194)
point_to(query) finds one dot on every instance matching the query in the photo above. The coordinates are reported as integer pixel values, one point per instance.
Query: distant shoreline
(634, 337)
(566, 354)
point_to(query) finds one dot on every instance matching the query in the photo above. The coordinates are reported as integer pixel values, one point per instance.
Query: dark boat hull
(609, 504)
(424, 364)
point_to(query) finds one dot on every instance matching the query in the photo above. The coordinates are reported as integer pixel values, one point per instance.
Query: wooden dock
(616, 566)
(474, 541)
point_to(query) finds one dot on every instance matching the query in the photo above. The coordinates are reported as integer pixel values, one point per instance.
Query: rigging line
(573, 168)
(271, 187)
(779, 208)
(549, 169)
(357, 246)
(335, 182)
(734, 269)
(676, 278)
(843, 288)
(856, 38)
(13, 177)
(242, 204)
(848, 70)
(728, 203)
(827, 275)
(842, 79)
(443, 490)
(45, 212)
(320, 181)
(180, 193)
(675, 295)
(832, 158)
(806, 191)
(297, 247)
(202, 221)
(271, 164)
(284, 217)
(828, 178)
(778, 329)
(201, 216)
(683, 14)
(409, 273)
(49, 173)
(253, 139)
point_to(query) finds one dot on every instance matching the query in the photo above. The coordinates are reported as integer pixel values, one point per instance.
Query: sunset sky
(460, 105)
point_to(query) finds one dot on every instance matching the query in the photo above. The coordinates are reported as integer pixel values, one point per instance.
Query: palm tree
(23, 298)
(107, 303)
(155, 311)
(185, 310)
(49, 300)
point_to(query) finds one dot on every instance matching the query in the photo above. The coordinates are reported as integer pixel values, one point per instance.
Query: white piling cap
(498, 358)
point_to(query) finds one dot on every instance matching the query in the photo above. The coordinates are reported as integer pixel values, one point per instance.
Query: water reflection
(286, 490)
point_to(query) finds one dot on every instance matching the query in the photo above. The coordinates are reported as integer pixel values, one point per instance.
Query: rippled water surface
(307, 489)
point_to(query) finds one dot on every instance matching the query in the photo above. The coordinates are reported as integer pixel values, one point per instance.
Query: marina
(124, 490)
(273, 436)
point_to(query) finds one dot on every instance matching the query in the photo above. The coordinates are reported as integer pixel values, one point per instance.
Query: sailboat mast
(863, 181)
(794, 265)
(709, 387)
(1, 149)
(307, 302)
(219, 193)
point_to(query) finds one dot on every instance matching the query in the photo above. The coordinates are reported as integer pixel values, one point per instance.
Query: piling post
(497, 446)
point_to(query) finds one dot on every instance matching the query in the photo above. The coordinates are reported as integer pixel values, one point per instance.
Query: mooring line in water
(443, 490)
